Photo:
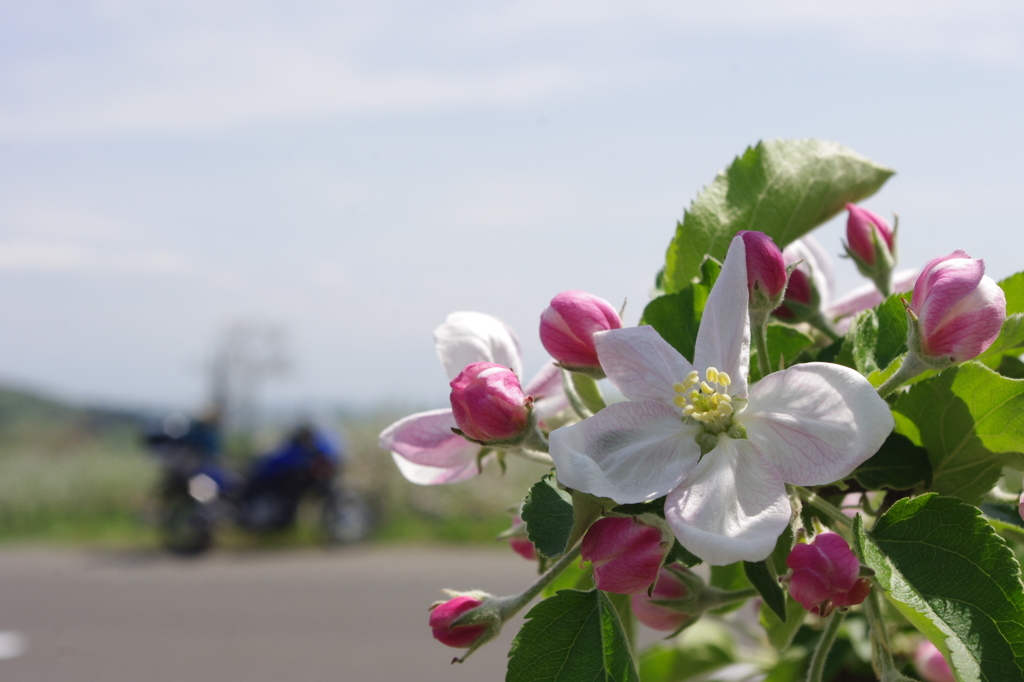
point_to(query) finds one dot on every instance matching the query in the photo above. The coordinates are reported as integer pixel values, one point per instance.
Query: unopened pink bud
(859, 228)
(568, 325)
(669, 586)
(521, 544)
(931, 664)
(461, 636)
(766, 269)
(799, 292)
(488, 403)
(626, 553)
(1020, 507)
(959, 309)
(825, 574)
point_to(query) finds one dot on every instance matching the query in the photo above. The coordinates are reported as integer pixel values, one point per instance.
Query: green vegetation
(83, 476)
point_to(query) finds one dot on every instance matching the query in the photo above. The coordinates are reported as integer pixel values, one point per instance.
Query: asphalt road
(351, 614)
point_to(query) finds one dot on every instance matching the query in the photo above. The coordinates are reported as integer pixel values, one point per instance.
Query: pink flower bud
(1020, 507)
(766, 269)
(626, 553)
(931, 665)
(488, 403)
(859, 228)
(444, 614)
(959, 309)
(568, 325)
(825, 575)
(800, 292)
(521, 544)
(669, 586)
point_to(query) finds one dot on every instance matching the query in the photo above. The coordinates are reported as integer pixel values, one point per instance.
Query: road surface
(345, 615)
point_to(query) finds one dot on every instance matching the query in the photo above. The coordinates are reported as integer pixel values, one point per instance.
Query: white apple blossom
(720, 453)
(423, 445)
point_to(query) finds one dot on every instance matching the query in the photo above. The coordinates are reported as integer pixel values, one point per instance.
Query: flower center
(706, 401)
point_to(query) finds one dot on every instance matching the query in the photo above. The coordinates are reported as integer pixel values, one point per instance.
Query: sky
(350, 173)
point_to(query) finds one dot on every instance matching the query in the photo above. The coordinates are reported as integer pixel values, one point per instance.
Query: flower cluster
(753, 402)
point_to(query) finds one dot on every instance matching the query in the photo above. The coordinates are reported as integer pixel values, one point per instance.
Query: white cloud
(171, 67)
(50, 256)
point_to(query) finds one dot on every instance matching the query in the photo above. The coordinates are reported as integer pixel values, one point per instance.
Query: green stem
(822, 505)
(713, 598)
(759, 333)
(575, 400)
(881, 653)
(828, 637)
(911, 367)
(818, 321)
(510, 606)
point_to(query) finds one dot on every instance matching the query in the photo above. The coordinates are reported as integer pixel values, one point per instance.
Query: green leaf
(971, 421)
(576, 576)
(783, 342)
(784, 188)
(1013, 289)
(705, 647)
(878, 336)
(549, 517)
(767, 585)
(677, 316)
(780, 632)
(572, 637)
(954, 578)
(899, 465)
(679, 554)
(586, 509)
(729, 578)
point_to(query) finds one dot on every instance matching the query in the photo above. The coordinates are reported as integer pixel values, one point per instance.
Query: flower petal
(723, 340)
(732, 507)
(970, 326)
(630, 452)
(426, 439)
(868, 295)
(547, 391)
(641, 364)
(468, 337)
(816, 422)
(944, 282)
(426, 475)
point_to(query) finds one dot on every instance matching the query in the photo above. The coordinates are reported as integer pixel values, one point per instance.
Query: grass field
(72, 475)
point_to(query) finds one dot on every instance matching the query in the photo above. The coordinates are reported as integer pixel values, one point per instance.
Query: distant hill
(25, 412)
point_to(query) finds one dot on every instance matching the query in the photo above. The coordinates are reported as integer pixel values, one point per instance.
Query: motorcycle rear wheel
(346, 517)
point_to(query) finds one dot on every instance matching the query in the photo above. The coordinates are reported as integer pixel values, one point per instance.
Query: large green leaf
(548, 514)
(677, 316)
(572, 637)
(899, 464)
(784, 188)
(971, 421)
(954, 578)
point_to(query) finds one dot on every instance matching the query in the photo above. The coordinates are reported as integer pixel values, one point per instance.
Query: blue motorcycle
(197, 494)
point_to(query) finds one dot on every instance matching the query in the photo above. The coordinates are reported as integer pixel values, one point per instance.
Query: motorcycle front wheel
(185, 527)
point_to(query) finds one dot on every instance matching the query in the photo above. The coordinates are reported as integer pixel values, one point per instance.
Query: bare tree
(246, 355)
